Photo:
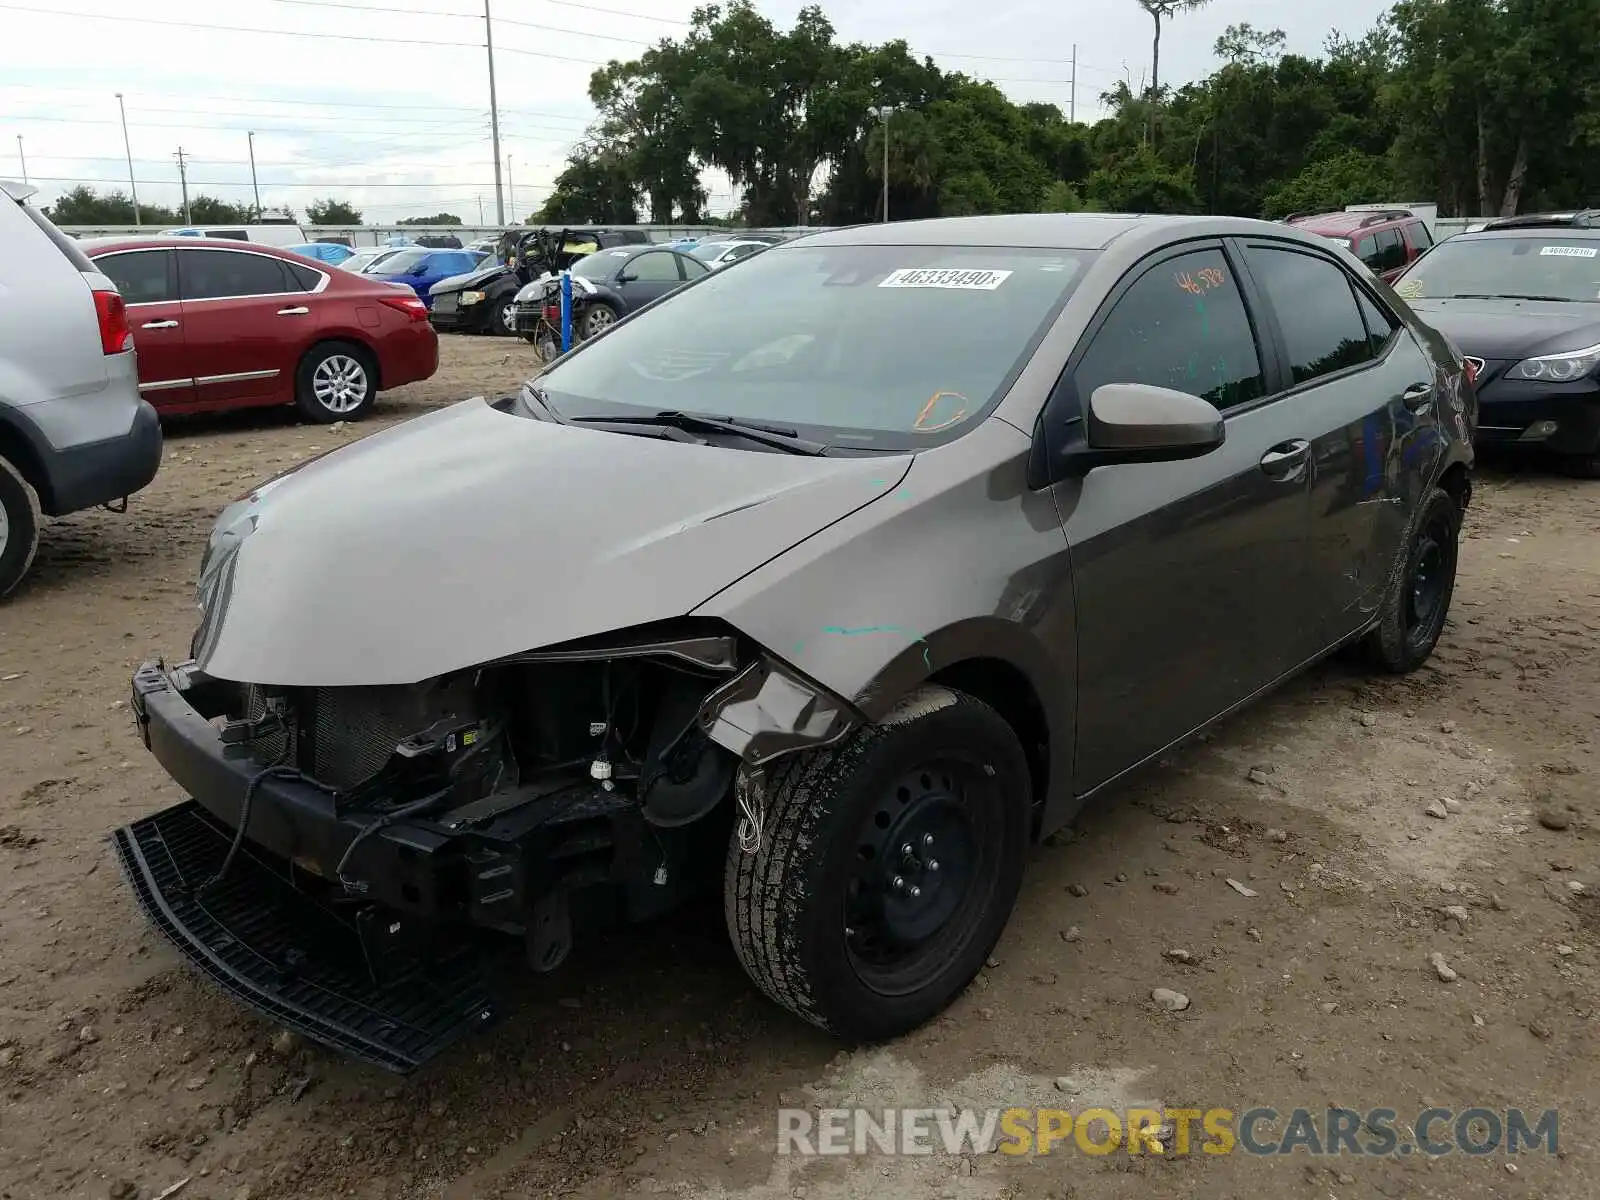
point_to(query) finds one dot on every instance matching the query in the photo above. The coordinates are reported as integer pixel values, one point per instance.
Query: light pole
(511, 192)
(252, 136)
(882, 112)
(127, 149)
(23, 157)
(494, 113)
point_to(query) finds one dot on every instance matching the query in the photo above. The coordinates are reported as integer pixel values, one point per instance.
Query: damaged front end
(349, 853)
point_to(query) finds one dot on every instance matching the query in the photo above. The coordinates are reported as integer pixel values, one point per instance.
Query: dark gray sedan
(947, 527)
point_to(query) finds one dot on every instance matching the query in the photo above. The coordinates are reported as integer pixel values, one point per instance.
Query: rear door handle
(299, 311)
(1418, 396)
(159, 325)
(1286, 459)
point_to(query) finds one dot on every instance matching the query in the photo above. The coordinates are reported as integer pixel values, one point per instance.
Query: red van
(1387, 242)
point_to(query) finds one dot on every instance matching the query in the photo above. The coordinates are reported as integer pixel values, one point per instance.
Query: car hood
(460, 283)
(472, 533)
(1512, 329)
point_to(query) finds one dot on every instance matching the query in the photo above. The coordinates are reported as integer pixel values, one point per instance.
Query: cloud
(387, 107)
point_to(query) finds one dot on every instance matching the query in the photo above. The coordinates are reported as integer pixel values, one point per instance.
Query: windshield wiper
(777, 436)
(1506, 296)
(537, 394)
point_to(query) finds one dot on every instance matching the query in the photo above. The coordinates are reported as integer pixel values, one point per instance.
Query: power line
(434, 12)
(223, 183)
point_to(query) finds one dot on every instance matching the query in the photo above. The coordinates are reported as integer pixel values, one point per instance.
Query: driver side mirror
(1140, 423)
(626, 277)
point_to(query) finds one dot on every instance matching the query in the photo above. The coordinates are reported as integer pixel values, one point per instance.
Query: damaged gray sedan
(949, 526)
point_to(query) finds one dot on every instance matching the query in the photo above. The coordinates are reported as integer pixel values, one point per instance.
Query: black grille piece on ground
(293, 958)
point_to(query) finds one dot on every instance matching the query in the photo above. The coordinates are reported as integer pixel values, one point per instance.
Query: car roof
(1555, 229)
(1348, 222)
(100, 245)
(1045, 231)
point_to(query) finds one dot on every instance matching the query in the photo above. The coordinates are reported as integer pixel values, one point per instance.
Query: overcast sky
(392, 114)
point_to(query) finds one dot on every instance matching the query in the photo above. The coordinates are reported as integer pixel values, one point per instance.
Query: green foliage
(1331, 183)
(84, 206)
(1140, 182)
(443, 218)
(1061, 197)
(332, 212)
(597, 188)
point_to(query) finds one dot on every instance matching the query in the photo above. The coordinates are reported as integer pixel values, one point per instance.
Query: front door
(648, 277)
(1189, 577)
(1368, 393)
(242, 313)
(148, 282)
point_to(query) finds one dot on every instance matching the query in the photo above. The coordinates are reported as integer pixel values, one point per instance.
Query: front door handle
(1417, 397)
(299, 311)
(1286, 460)
(159, 325)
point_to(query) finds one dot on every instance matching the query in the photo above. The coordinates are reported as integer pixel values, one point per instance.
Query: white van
(274, 234)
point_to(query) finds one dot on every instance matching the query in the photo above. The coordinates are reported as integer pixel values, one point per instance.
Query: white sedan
(719, 254)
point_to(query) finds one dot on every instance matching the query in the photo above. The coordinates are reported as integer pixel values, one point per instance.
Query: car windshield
(601, 264)
(876, 347)
(402, 262)
(1547, 264)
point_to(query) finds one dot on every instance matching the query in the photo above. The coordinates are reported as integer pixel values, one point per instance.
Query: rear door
(1392, 254)
(1189, 577)
(148, 281)
(243, 316)
(1366, 392)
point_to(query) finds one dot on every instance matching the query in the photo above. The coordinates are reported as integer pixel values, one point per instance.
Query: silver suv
(74, 432)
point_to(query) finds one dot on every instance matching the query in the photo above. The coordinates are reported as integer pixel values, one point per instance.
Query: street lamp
(128, 150)
(882, 111)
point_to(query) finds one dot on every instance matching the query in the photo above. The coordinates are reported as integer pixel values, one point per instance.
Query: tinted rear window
(74, 253)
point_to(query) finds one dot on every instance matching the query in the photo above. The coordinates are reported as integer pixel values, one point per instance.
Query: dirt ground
(648, 1066)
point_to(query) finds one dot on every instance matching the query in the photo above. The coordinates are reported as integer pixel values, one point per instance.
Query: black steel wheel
(1421, 587)
(888, 867)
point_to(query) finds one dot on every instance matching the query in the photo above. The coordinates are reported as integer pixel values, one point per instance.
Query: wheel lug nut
(907, 850)
(915, 892)
(899, 883)
(927, 839)
(933, 864)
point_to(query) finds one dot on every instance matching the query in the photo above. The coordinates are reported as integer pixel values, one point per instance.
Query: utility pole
(127, 149)
(882, 112)
(252, 136)
(183, 178)
(494, 115)
(480, 210)
(23, 157)
(1072, 105)
(511, 191)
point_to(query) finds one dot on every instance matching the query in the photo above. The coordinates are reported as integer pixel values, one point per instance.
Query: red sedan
(221, 324)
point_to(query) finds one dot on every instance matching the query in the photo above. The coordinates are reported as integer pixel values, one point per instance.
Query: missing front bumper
(350, 976)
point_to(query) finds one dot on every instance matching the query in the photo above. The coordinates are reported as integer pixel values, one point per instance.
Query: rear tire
(20, 522)
(832, 918)
(336, 381)
(1420, 588)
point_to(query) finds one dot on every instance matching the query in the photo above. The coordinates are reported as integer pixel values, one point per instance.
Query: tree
(1332, 183)
(332, 212)
(208, 210)
(443, 218)
(1164, 10)
(83, 206)
(596, 188)
(1249, 46)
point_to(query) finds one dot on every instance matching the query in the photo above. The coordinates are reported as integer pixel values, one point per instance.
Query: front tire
(600, 317)
(1421, 587)
(503, 319)
(337, 381)
(887, 868)
(19, 526)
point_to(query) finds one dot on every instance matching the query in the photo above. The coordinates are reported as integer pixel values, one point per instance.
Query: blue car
(421, 268)
(331, 253)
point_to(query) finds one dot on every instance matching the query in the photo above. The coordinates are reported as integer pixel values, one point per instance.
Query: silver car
(74, 432)
(943, 527)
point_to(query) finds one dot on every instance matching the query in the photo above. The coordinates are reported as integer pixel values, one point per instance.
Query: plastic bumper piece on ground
(319, 969)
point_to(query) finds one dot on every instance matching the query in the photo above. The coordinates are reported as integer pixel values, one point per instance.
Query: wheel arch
(22, 449)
